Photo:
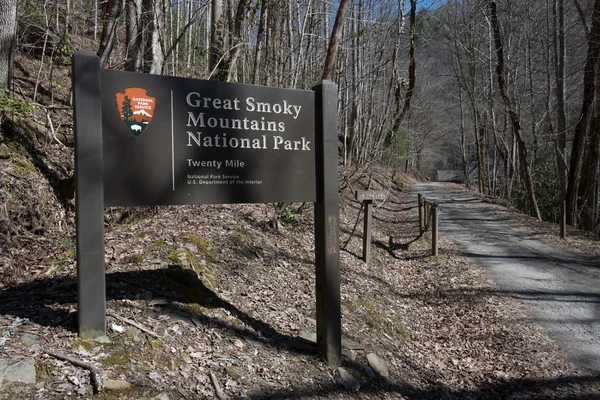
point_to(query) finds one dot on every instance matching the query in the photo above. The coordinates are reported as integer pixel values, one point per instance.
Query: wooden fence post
(367, 230)
(420, 200)
(426, 205)
(563, 220)
(434, 229)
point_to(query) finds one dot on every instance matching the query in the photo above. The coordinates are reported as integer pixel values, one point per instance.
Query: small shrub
(547, 193)
(64, 50)
(288, 215)
(13, 106)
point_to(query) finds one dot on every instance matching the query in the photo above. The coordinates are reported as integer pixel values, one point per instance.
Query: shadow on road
(510, 389)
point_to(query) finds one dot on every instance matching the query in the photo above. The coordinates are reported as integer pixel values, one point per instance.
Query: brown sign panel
(174, 141)
(362, 195)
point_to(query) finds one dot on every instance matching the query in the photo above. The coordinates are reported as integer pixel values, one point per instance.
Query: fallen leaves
(434, 323)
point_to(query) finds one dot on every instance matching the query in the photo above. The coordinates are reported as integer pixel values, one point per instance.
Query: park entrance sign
(171, 140)
(144, 140)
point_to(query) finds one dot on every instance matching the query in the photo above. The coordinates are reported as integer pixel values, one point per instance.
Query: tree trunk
(303, 50)
(134, 36)
(290, 44)
(560, 57)
(356, 88)
(412, 64)
(188, 63)
(334, 41)
(478, 127)
(157, 44)
(512, 113)
(216, 37)
(589, 178)
(68, 17)
(532, 102)
(95, 2)
(183, 33)
(589, 88)
(8, 24)
(259, 41)
(110, 15)
(491, 110)
(589, 173)
(237, 39)
(513, 161)
(402, 107)
(276, 42)
(463, 145)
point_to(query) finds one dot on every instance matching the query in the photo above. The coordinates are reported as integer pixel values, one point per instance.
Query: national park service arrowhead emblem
(136, 109)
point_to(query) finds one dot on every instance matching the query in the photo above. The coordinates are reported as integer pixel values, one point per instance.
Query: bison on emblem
(136, 109)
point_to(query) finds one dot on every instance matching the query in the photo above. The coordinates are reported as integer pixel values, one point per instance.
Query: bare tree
(513, 113)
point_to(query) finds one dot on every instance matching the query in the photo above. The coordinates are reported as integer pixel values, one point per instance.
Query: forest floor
(224, 302)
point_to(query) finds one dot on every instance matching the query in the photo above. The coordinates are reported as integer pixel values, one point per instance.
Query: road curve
(561, 291)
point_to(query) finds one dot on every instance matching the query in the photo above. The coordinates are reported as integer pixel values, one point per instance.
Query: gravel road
(561, 291)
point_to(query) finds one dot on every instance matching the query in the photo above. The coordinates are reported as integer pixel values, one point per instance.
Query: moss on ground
(162, 246)
(245, 239)
(204, 246)
(24, 167)
(187, 260)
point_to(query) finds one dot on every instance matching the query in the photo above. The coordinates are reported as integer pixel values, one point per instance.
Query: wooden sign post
(367, 197)
(89, 199)
(327, 236)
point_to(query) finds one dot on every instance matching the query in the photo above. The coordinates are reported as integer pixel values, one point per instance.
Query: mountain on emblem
(136, 109)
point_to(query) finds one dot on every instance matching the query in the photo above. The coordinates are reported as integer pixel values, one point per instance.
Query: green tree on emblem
(126, 109)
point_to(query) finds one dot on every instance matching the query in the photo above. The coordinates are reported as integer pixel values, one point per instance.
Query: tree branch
(95, 377)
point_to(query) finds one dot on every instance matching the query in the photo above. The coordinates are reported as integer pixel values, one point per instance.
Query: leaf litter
(227, 293)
